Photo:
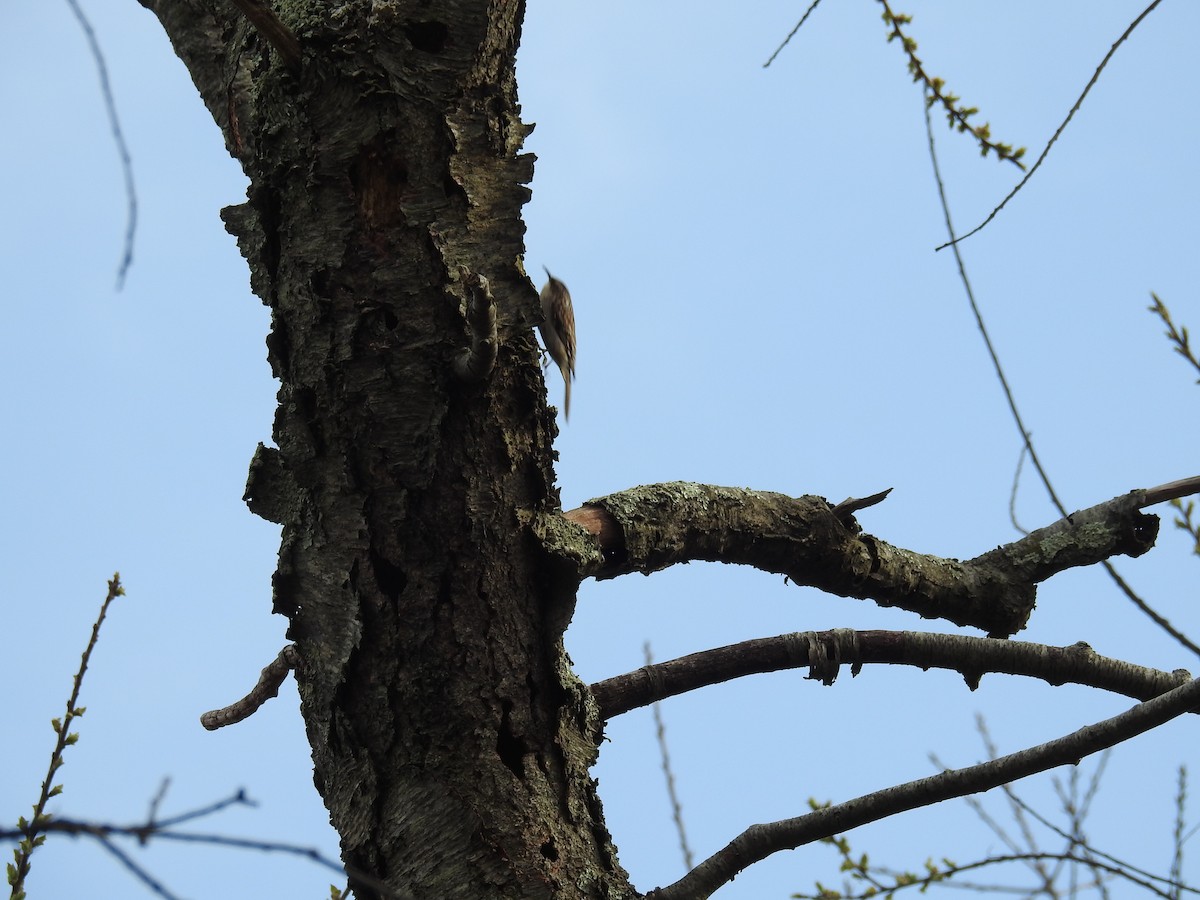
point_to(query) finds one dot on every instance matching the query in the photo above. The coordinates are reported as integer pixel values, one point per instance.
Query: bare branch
(760, 841)
(983, 331)
(791, 34)
(236, 799)
(652, 527)
(1158, 619)
(1017, 809)
(823, 651)
(1016, 484)
(1179, 835)
(660, 732)
(114, 124)
(139, 872)
(1173, 490)
(1093, 852)
(104, 832)
(1058, 132)
(156, 802)
(268, 686)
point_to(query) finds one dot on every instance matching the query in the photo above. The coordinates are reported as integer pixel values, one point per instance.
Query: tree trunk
(451, 742)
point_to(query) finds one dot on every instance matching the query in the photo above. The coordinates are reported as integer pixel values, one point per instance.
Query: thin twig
(1061, 128)
(942, 877)
(791, 34)
(660, 732)
(114, 123)
(1014, 808)
(236, 799)
(1153, 615)
(1178, 336)
(1100, 854)
(1076, 810)
(156, 802)
(760, 841)
(1012, 403)
(104, 832)
(140, 873)
(958, 116)
(987, 338)
(1012, 494)
(1180, 828)
(33, 833)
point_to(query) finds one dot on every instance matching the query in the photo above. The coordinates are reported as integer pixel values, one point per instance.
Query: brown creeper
(558, 332)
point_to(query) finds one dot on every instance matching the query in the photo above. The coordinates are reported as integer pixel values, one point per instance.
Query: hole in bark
(452, 188)
(285, 587)
(509, 746)
(550, 851)
(391, 579)
(428, 37)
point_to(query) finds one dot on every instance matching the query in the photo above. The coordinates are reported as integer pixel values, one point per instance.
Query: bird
(558, 332)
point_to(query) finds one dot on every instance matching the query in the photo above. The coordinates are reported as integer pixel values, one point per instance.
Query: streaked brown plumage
(558, 332)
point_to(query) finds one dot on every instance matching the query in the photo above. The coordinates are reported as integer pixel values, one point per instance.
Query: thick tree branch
(824, 651)
(759, 841)
(813, 543)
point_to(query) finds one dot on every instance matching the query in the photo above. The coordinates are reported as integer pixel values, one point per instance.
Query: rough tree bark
(425, 567)
(450, 742)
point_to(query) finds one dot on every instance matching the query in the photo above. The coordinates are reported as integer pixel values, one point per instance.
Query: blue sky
(758, 304)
